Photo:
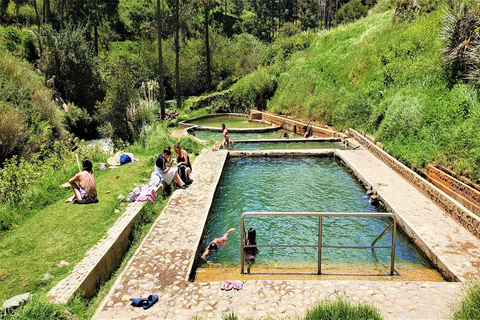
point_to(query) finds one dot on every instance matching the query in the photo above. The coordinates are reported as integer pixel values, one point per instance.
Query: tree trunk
(177, 54)
(95, 27)
(160, 63)
(207, 50)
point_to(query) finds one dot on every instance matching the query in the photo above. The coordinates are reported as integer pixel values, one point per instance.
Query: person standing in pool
(250, 253)
(216, 243)
(224, 130)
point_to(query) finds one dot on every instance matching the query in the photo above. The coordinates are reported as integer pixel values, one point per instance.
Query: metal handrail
(320, 215)
(382, 234)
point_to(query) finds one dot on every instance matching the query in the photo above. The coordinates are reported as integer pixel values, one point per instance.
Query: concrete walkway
(162, 263)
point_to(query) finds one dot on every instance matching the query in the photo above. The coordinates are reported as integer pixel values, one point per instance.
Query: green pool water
(287, 145)
(229, 121)
(300, 184)
(217, 136)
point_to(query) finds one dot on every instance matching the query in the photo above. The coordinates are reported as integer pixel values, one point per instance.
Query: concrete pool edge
(187, 124)
(160, 266)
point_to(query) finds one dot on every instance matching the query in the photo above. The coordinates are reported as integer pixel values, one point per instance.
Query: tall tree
(177, 53)
(160, 62)
(207, 6)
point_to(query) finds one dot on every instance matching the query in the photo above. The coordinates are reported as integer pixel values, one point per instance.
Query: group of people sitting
(165, 170)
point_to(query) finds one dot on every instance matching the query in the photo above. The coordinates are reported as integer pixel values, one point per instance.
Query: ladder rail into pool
(320, 215)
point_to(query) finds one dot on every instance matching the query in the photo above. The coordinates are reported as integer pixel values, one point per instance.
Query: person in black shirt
(163, 168)
(183, 164)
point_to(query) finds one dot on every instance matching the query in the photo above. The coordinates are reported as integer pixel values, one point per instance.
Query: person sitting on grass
(183, 164)
(163, 168)
(215, 244)
(84, 185)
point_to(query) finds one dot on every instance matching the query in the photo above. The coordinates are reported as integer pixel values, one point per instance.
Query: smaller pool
(235, 136)
(287, 145)
(231, 121)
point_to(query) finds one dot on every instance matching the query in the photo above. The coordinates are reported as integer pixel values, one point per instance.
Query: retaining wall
(102, 259)
(452, 207)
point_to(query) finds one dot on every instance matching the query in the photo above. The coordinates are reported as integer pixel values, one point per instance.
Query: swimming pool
(235, 136)
(300, 184)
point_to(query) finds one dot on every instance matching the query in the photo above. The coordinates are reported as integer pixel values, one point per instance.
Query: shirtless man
(216, 243)
(84, 185)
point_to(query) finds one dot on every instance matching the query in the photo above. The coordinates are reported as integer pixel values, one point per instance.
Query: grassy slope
(62, 231)
(386, 78)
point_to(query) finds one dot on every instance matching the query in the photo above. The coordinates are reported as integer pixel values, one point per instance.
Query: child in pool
(216, 243)
(251, 253)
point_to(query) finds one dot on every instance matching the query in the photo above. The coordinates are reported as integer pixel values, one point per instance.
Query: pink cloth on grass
(147, 193)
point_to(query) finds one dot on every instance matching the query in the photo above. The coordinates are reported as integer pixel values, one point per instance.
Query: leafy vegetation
(340, 309)
(386, 78)
(469, 307)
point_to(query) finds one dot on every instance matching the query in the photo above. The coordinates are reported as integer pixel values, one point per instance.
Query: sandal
(238, 285)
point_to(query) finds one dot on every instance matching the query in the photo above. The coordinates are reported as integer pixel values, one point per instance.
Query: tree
(68, 57)
(160, 62)
(118, 108)
(207, 5)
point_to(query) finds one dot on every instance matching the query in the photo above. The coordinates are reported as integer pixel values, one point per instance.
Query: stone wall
(294, 125)
(466, 195)
(453, 208)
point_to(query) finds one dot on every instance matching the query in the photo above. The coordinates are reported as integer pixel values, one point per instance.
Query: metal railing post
(242, 244)
(394, 236)
(320, 245)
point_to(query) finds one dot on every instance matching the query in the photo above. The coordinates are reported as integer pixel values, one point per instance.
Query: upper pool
(296, 184)
(233, 121)
(236, 136)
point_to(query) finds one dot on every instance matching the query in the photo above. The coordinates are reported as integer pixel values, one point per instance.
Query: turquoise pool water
(300, 184)
(287, 145)
(229, 121)
(217, 136)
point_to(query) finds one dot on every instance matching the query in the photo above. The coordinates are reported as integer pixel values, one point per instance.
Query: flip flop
(238, 285)
(138, 302)
(151, 300)
(227, 285)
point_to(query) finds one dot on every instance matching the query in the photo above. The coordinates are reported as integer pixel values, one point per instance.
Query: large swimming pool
(301, 184)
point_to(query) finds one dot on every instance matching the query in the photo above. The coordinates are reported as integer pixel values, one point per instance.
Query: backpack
(125, 159)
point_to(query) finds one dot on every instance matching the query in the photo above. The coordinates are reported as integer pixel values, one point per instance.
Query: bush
(68, 56)
(340, 309)
(254, 90)
(470, 305)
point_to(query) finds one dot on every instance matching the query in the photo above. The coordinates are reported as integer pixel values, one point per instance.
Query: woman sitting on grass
(163, 168)
(84, 185)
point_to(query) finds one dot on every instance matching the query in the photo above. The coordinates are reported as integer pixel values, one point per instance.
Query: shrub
(68, 56)
(469, 307)
(254, 90)
(340, 309)
(461, 41)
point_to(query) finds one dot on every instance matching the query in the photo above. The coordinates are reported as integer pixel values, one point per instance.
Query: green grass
(65, 231)
(62, 231)
(383, 77)
(344, 310)
(469, 307)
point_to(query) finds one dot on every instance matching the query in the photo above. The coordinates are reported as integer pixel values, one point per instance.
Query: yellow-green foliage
(385, 77)
(29, 119)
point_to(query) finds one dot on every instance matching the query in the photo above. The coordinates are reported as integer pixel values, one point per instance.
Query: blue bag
(125, 159)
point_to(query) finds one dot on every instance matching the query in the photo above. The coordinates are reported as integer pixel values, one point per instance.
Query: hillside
(386, 77)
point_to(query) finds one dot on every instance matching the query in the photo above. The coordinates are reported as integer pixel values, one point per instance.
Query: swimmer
(216, 243)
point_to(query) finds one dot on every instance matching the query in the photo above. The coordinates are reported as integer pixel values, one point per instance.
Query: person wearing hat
(216, 243)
